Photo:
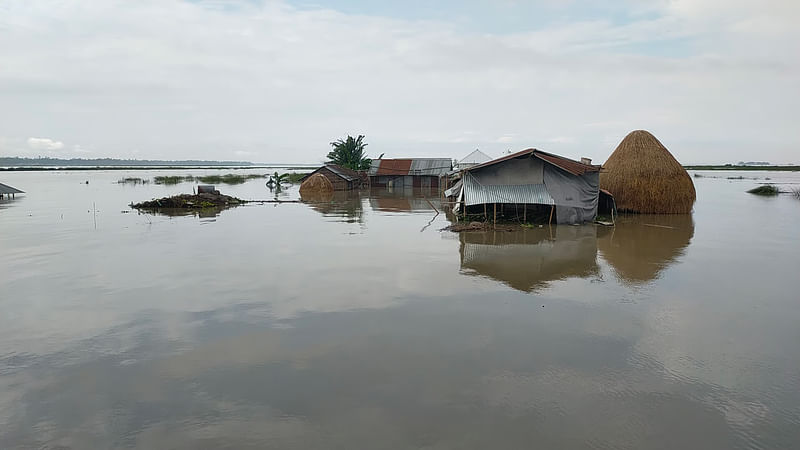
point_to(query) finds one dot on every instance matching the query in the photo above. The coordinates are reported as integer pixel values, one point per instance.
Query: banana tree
(276, 181)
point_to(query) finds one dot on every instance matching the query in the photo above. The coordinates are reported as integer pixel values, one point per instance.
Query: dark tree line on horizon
(47, 161)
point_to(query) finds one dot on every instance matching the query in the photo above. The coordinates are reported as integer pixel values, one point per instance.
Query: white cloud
(176, 79)
(44, 144)
(507, 139)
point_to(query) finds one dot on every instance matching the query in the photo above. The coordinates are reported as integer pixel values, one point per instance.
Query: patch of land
(190, 201)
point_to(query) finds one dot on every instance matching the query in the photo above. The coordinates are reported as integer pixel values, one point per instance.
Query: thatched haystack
(645, 178)
(316, 184)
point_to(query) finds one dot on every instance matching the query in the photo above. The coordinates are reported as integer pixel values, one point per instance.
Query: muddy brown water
(353, 322)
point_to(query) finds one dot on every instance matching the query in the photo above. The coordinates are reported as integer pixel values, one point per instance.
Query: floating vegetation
(796, 192)
(766, 189)
(172, 179)
(735, 178)
(698, 175)
(229, 178)
(133, 180)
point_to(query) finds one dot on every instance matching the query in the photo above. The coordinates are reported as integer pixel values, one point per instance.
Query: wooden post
(524, 213)
(552, 208)
(495, 213)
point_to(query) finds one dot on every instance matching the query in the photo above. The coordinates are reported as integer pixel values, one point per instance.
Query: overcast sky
(276, 81)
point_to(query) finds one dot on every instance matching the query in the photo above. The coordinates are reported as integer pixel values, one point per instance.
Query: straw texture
(316, 184)
(644, 177)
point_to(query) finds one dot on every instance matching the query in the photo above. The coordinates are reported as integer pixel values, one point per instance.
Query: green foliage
(766, 189)
(349, 153)
(228, 178)
(171, 179)
(276, 180)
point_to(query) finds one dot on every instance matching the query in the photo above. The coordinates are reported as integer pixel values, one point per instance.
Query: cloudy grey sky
(275, 81)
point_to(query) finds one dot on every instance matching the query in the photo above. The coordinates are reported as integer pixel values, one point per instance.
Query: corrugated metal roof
(430, 166)
(347, 174)
(391, 167)
(477, 194)
(6, 189)
(344, 172)
(416, 166)
(570, 165)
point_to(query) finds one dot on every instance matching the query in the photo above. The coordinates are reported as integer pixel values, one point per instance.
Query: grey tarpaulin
(575, 196)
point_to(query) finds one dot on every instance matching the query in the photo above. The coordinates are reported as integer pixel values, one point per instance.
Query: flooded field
(355, 323)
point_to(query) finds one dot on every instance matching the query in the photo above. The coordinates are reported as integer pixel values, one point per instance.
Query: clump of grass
(132, 180)
(766, 189)
(172, 179)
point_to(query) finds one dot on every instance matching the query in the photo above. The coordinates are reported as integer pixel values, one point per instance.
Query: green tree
(350, 153)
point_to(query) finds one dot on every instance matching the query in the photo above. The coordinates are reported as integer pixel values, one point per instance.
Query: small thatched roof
(644, 177)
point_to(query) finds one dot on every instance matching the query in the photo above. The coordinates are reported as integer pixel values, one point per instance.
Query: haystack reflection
(527, 260)
(641, 246)
(344, 205)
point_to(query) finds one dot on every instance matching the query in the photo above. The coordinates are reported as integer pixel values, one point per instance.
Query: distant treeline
(80, 162)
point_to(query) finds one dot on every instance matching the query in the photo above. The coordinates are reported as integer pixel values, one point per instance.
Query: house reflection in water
(641, 246)
(345, 206)
(414, 201)
(529, 259)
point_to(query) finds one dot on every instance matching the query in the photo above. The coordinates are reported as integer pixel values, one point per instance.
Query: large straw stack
(644, 177)
(316, 184)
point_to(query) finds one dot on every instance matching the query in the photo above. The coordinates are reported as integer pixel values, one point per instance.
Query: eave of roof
(570, 165)
(6, 189)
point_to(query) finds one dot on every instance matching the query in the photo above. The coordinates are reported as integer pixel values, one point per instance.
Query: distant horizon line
(21, 162)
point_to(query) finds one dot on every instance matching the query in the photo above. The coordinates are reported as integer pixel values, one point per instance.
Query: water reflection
(404, 201)
(640, 247)
(203, 213)
(527, 260)
(344, 205)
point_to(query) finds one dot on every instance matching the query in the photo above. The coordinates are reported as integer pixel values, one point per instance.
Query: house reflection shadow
(345, 206)
(527, 260)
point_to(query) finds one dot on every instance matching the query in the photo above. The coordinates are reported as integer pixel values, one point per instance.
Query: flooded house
(331, 177)
(530, 185)
(8, 191)
(410, 173)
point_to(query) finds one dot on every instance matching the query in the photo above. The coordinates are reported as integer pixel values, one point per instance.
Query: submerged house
(8, 191)
(408, 173)
(530, 184)
(331, 177)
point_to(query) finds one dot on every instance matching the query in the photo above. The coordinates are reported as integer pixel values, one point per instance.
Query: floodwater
(356, 323)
